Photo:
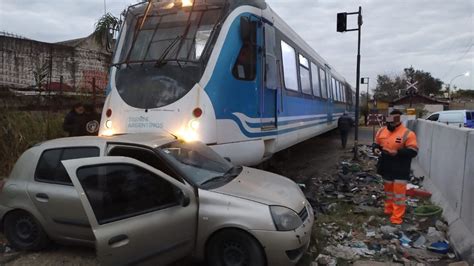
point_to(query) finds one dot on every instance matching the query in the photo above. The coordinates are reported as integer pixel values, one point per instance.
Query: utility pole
(342, 27)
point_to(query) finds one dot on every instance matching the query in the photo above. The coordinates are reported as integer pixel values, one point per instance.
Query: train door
(330, 97)
(270, 79)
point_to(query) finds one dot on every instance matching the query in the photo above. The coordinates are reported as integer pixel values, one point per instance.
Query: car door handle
(118, 241)
(42, 197)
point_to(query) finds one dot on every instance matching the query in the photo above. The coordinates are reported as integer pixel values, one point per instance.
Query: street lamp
(460, 75)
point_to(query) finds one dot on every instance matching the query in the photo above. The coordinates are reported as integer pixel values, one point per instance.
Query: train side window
(304, 75)
(324, 87)
(245, 67)
(339, 91)
(343, 89)
(339, 87)
(271, 70)
(289, 66)
(315, 80)
(334, 90)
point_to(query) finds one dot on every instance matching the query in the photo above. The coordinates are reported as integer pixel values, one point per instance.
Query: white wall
(446, 158)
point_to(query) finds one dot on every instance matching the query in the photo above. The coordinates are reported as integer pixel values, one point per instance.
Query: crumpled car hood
(266, 188)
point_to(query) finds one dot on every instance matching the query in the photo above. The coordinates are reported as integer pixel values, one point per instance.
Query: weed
(20, 130)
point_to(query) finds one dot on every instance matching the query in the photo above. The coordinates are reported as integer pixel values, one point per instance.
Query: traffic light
(341, 22)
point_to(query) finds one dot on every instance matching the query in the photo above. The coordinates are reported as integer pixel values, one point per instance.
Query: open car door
(139, 215)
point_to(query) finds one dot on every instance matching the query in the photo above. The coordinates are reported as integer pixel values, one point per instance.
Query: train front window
(162, 52)
(179, 33)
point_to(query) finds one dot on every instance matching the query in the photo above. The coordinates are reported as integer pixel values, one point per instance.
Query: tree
(464, 94)
(390, 88)
(387, 88)
(427, 84)
(104, 30)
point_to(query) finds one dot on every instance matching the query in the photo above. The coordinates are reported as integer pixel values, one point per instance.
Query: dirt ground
(310, 159)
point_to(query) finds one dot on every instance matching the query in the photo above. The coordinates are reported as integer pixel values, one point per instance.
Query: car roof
(146, 139)
(453, 111)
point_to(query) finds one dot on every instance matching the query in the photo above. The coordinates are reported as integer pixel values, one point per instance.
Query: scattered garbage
(343, 252)
(434, 235)
(420, 242)
(404, 240)
(388, 230)
(326, 260)
(428, 211)
(416, 192)
(441, 247)
(353, 195)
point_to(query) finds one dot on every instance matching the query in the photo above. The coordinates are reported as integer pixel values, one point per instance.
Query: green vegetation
(104, 30)
(389, 87)
(20, 130)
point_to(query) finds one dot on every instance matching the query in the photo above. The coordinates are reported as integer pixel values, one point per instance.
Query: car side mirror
(184, 199)
(227, 159)
(247, 30)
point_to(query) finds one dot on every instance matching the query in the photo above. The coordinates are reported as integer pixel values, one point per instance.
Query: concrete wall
(446, 158)
(20, 58)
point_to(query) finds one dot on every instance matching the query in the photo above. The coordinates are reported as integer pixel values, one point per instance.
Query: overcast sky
(436, 36)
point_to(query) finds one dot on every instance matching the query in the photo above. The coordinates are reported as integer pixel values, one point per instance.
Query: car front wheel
(23, 232)
(234, 248)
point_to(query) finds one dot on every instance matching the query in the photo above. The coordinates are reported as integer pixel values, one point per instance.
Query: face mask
(391, 127)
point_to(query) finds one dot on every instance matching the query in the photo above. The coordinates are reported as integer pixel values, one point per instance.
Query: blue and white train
(230, 73)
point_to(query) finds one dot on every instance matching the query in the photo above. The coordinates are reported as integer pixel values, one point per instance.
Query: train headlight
(194, 124)
(108, 124)
(186, 3)
(107, 133)
(189, 132)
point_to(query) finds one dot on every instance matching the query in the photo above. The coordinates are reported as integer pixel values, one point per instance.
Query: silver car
(147, 198)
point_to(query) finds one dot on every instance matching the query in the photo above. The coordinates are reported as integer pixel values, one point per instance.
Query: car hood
(266, 188)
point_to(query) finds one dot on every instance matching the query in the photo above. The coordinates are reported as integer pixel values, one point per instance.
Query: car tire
(24, 232)
(234, 248)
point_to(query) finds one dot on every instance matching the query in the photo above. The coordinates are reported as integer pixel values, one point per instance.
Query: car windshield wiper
(233, 171)
(229, 175)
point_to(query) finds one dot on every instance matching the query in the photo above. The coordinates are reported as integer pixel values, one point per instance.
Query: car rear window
(468, 116)
(51, 170)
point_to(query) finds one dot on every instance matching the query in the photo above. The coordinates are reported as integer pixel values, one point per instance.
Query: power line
(461, 57)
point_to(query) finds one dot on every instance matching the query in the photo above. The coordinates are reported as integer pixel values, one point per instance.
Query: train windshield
(164, 49)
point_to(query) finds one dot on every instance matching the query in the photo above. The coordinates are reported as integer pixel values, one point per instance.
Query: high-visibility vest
(400, 138)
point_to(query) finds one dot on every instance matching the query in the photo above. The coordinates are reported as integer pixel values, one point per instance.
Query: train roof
(287, 30)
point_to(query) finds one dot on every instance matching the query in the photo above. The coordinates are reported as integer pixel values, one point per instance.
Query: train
(229, 73)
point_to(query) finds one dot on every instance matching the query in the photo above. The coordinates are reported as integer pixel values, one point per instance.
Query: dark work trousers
(344, 134)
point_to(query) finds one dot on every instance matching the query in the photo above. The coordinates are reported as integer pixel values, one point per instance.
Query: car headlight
(285, 219)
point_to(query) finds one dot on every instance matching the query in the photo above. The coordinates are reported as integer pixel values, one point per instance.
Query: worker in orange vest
(396, 146)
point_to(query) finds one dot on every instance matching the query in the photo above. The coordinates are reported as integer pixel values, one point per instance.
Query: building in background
(29, 66)
(423, 104)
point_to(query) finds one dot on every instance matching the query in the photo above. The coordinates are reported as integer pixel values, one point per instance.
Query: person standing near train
(73, 119)
(397, 146)
(345, 124)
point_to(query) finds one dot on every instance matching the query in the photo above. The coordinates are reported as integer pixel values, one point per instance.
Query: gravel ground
(311, 158)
